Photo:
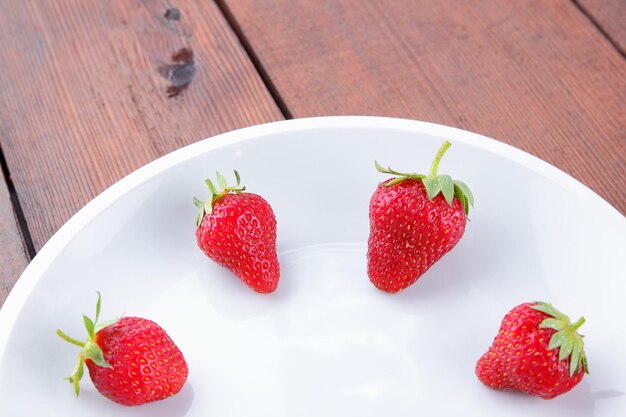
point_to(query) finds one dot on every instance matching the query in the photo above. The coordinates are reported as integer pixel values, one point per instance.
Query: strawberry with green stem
(237, 230)
(537, 351)
(131, 360)
(415, 219)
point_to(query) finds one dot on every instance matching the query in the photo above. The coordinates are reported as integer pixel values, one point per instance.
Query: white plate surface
(326, 343)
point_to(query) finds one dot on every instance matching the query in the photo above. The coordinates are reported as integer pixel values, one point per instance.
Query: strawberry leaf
(463, 201)
(401, 175)
(104, 324)
(574, 363)
(200, 216)
(209, 184)
(381, 168)
(394, 181)
(77, 374)
(447, 188)
(552, 323)
(557, 339)
(89, 326)
(97, 308)
(208, 206)
(198, 203)
(237, 177)
(92, 351)
(432, 186)
(566, 348)
(78, 377)
(462, 189)
(69, 339)
(221, 181)
(583, 360)
(549, 310)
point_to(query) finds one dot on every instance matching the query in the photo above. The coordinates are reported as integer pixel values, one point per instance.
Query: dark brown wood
(92, 90)
(535, 74)
(13, 255)
(610, 15)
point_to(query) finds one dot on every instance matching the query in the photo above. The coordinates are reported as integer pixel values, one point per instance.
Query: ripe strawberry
(536, 351)
(238, 231)
(131, 361)
(414, 220)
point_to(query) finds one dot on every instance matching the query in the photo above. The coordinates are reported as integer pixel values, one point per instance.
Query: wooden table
(91, 90)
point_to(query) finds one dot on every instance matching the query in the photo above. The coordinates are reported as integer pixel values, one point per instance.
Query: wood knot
(172, 14)
(180, 73)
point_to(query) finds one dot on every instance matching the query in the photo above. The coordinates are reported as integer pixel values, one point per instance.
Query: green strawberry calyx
(206, 206)
(90, 349)
(435, 183)
(566, 337)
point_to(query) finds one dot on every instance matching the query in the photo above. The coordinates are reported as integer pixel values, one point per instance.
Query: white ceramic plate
(326, 343)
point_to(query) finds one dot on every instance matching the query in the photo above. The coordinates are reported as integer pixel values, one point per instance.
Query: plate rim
(27, 281)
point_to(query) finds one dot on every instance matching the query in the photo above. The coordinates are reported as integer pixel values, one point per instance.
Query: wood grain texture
(86, 88)
(610, 15)
(535, 74)
(13, 255)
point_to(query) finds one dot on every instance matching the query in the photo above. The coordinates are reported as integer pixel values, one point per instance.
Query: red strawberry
(536, 351)
(238, 231)
(131, 361)
(414, 220)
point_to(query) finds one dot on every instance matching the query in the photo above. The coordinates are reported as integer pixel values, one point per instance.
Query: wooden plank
(610, 15)
(13, 255)
(535, 74)
(90, 91)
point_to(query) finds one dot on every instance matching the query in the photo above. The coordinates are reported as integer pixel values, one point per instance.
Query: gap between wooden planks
(13, 254)
(610, 16)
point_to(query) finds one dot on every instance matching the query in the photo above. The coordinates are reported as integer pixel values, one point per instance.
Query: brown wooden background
(90, 90)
